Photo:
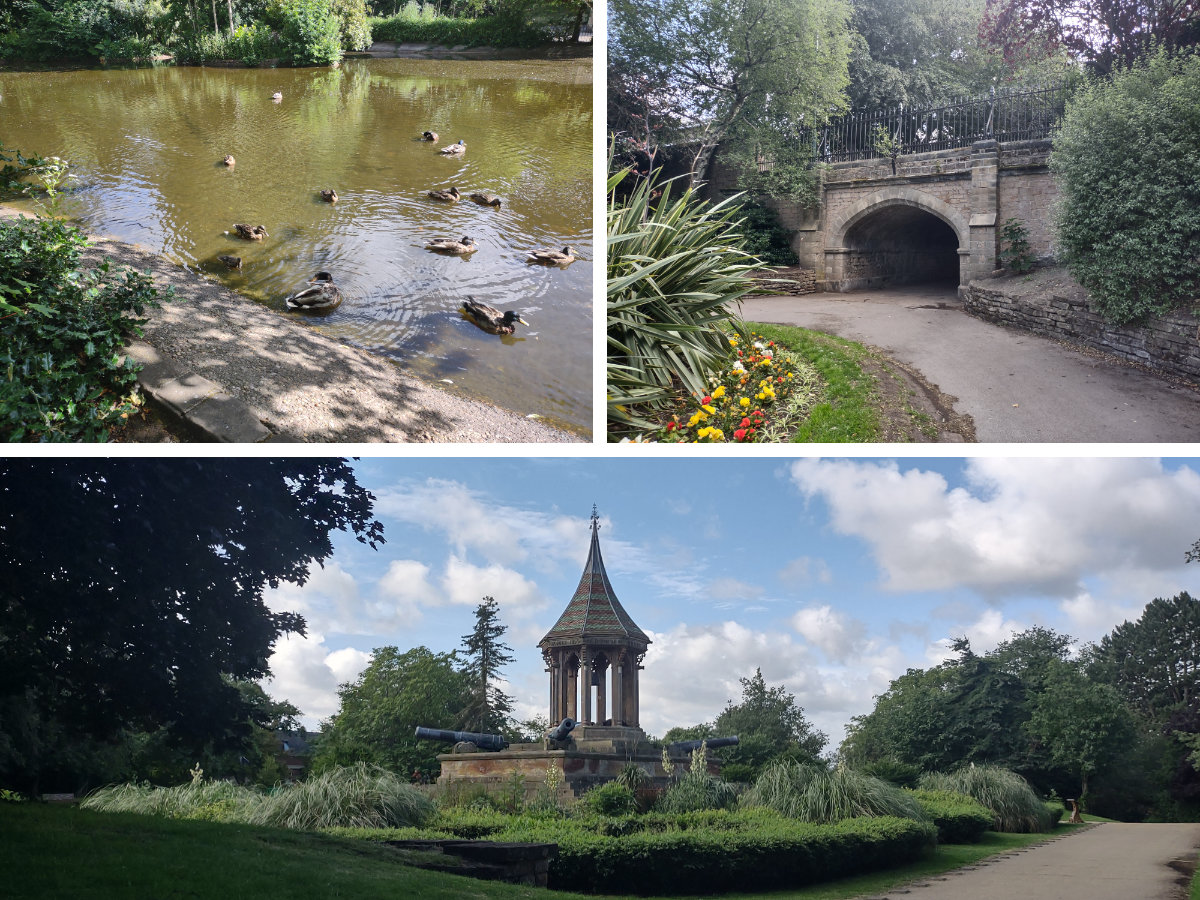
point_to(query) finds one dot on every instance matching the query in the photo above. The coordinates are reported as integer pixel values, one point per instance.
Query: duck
(450, 196)
(229, 160)
(454, 149)
(431, 136)
(562, 257)
(251, 232)
(329, 196)
(234, 262)
(491, 319)
(323, 294)
(277, 96)
(486, 200)
(460, 248)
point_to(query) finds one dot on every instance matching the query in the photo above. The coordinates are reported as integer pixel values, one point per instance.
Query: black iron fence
(1017, 116)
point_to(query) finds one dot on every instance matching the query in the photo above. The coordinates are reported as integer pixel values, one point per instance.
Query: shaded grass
(848, 408)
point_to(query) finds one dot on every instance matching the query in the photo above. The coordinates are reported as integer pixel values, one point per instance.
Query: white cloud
(466, 584)
(305, 672)
(839, 636)
(733, 589)
(986, 633)
(1020, 525)
(804, 570)
(405, 588)
(329, 600)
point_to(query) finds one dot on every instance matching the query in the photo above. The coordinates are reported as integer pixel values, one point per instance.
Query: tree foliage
(132, 588)
(770, 725)
(381, 709)
(1127, 161)
(489, 709)
(731, 70)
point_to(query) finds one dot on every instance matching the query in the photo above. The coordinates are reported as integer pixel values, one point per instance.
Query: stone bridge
(935, 217)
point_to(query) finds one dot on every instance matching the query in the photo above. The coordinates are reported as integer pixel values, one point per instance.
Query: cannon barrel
(711, 743)
(564, 729)
(482, 741)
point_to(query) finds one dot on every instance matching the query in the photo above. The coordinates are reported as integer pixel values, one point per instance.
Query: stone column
(601, 671)
(631, 692)
(572, 690)
(983, 202)
(554, 695)
(619, 691)
(585, 684)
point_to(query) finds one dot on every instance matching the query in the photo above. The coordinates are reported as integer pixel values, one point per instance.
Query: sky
(833, 576)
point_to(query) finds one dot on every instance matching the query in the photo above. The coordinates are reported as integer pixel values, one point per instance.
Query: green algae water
(146, 147)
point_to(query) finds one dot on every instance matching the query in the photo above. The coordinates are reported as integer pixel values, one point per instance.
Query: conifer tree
(489, 709)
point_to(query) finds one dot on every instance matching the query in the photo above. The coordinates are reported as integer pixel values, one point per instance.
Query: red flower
(745, 423)
(706, 401)
(671, 426)
(780, 379)
(740, 434)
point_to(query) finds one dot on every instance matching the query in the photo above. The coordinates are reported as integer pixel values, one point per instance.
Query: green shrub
(1054, 812)
(611, 799)
(309, 30)
(738, 773)
(523, 23)
(697, 790)
(1127, 161)
(959, 819)
(676, 269)
(893, 771)
(354, 27)
(766, 237)
(813, 794)
(1013, 804)
(350, 796)
(1016, 253)
(62, 374)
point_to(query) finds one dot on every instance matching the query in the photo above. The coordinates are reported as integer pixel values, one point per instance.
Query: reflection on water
(148, 147)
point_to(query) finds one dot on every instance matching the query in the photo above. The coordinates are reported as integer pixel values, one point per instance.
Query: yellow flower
(708, 409)
(711, 433)
(719, 393)
(698, 416)
(745, 402)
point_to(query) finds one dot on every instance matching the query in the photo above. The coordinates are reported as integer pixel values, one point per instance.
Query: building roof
(595, 616)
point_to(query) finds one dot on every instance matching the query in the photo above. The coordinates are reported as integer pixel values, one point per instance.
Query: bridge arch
(896, 235)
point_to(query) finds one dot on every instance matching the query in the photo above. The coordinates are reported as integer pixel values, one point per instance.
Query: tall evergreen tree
(489, 709)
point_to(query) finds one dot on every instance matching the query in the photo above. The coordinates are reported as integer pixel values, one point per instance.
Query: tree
(132, 588)
(1082, 725)
(489, 708)
(1103, 33)
(769, 723)
(741, 71)
(381, 709)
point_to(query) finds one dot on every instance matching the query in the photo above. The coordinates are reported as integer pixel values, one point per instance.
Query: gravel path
(1111, 861)
(301, 384)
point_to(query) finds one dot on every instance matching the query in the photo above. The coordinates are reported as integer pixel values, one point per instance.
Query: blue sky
(832, 576)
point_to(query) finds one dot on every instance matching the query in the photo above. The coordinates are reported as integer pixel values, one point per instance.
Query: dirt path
(1014, 386)
(1111, 861)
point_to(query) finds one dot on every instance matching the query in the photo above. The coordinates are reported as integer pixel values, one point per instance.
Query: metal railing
(1017, 116)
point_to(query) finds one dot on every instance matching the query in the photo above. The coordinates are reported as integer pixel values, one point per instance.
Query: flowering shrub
(750, 400)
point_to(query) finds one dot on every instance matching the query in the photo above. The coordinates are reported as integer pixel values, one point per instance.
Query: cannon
(482, 741)
(710, 743)
(563, 731)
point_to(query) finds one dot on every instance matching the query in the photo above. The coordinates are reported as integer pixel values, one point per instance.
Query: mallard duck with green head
(458, 248)
(491, 319)
(449, 196)
(251, 232)
(562, 257)
(322, 293)
(454, 149)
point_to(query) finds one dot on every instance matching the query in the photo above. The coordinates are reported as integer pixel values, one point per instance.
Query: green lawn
(62, 851)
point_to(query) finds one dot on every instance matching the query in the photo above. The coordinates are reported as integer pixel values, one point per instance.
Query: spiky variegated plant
(676, 269)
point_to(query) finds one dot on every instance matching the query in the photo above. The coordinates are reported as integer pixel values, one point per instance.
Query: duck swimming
(329, 196)
(251, 232)
(454, 149)
(562, 257)
(229, 160)
(277, 96)
(234, 262)
(486, 200)
(491, 319)
(450, 196)
(431, 136)
(323, 294)
(459, 248)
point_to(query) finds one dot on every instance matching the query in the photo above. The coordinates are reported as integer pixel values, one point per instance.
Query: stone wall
(1028, 193)
(786, 280)
(1052, 304)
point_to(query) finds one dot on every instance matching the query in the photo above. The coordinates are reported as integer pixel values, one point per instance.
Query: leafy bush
(959, 819)
(676, 269)
(515, 23)
(309, 30)
(1016, 253)
(813, 794)
(894, 771)
(351, 796)
(1013, 804)
(696, 789)
(766, 237)
(1127, 160)
(90, 29)
(611, 799)
(353, 26)
(1054, 812)
(62, 375)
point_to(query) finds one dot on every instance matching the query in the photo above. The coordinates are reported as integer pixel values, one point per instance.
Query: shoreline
(225, 350)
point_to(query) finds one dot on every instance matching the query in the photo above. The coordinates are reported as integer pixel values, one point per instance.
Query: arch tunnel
(899, 244)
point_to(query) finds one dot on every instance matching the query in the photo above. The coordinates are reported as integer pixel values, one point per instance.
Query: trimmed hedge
(959, 818)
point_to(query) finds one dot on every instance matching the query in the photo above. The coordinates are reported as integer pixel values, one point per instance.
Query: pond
(147, 147)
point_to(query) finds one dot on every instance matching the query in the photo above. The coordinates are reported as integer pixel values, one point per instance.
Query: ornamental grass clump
(813, 794)
(358, 796)
(697, 790)
(1014, 805)
(676, 269)
(220, 800)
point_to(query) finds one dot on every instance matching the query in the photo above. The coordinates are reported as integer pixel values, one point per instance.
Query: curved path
(1016, 386)
(1111, 861)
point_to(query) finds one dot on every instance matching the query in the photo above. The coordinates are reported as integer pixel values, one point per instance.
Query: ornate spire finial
(595, 518)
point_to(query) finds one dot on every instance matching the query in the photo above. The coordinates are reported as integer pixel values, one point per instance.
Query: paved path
(1106, 862)
(1016, 386)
